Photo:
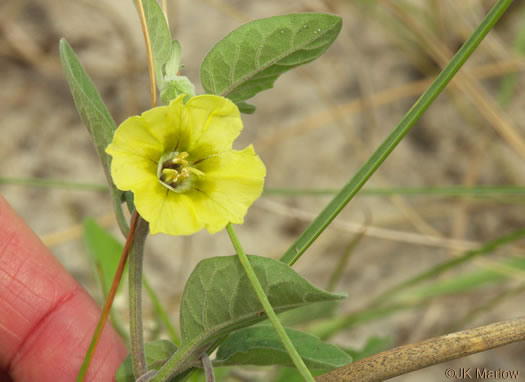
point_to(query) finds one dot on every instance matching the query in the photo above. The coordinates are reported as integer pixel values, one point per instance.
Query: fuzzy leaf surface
(90, 106)
(218, 299)
(260, 345)
(250, 59)
(159, 35)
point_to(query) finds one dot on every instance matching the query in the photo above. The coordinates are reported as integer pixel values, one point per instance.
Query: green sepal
(172, 67)
(176, 86)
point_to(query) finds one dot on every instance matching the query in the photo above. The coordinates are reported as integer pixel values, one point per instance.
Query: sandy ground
(313, 130)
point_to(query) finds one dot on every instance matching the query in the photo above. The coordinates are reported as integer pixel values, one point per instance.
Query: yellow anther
(175, 172)
(180, 159)
(170, 175)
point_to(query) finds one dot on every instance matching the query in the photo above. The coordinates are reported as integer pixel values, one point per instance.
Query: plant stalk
(404, 359)
(208, 367)
(263, 299)
(138, 356)
(147, 41)
(109, 301)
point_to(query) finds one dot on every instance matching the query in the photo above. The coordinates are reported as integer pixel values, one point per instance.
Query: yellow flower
(179, 163)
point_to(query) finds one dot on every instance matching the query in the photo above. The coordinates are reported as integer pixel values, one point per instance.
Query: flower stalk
(138, 355)
(263, 299)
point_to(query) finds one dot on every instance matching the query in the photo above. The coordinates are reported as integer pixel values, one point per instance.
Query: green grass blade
(451, 264)
(456, 191)
(510, 81)
(409, 120)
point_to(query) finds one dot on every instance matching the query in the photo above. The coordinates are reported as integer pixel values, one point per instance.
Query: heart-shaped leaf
(218, 299)
(260, 345)
(249, 59)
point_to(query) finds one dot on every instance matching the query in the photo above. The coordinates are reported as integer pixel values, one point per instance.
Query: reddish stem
(111, 296)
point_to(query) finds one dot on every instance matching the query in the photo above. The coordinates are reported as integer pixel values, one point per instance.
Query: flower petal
(214, 123)
(233, 181)
(134, 137)
(166, 211)
(139, 142)
(163, 123)
(130, 171)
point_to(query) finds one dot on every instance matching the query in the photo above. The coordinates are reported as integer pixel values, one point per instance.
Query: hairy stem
(138, 356)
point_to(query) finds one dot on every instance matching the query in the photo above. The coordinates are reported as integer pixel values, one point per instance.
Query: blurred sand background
(313, 130)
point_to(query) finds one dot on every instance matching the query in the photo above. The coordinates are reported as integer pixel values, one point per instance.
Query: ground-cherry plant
(174, 169)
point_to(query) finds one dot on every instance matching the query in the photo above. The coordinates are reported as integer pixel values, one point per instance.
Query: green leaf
(173, 65)
(160, 38)
(250, 59)
(157, 352)
(89, 104)
(246, 108)
(94, 115)
(104, 250)
(218, 299)
(260, 345)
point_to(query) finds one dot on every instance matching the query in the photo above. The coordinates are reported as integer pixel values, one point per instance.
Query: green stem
(119, 215)
(263, 299)
(135, 299)
(405, 125)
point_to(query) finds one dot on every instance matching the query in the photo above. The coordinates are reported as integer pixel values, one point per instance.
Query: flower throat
(175, 173)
